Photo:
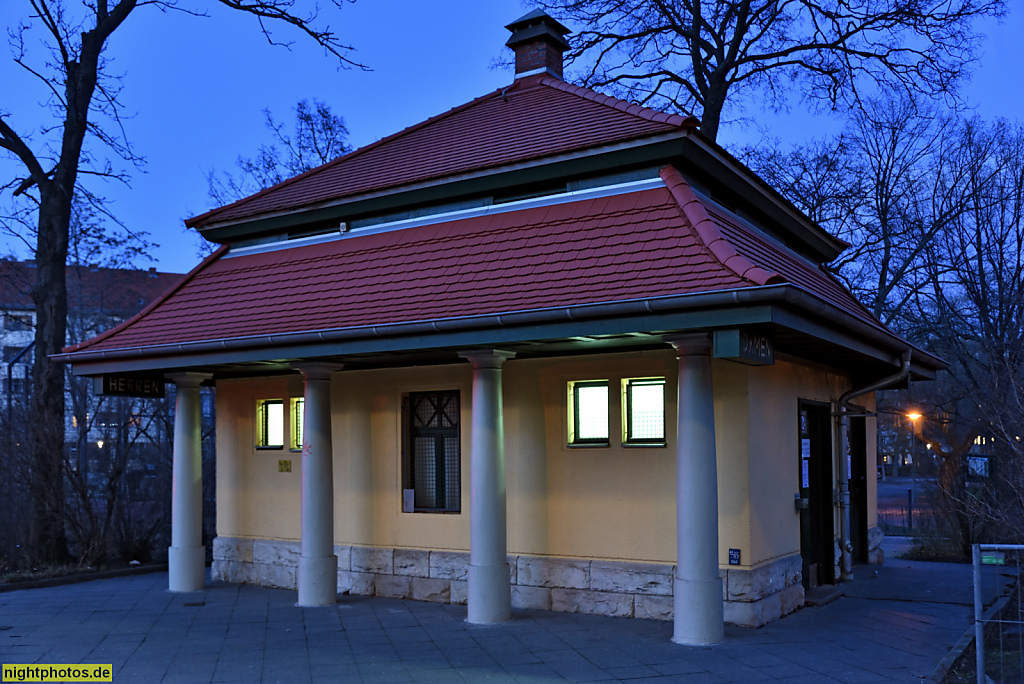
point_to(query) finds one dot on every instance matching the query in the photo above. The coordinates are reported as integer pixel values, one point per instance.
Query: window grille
(432, 458)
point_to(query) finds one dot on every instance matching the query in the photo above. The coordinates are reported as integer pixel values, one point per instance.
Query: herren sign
(133, 385)
(745, 346)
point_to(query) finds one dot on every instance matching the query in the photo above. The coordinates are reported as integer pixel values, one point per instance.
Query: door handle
(801, 503)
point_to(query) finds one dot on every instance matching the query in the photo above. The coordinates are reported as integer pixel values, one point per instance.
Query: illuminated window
(270, 416)
(298, 406)
(644, 410)
(588, 412)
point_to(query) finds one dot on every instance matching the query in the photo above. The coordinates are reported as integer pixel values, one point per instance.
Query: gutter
(785, 294)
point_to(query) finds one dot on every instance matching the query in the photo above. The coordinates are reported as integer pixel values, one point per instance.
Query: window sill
(644, 445)
(279, 447)
(293, 450)
(589, 445)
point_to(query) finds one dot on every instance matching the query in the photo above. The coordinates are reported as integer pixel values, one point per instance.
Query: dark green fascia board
(740, 180)
(696, 158)
(800, 322)
(494, 337)
(664, 149)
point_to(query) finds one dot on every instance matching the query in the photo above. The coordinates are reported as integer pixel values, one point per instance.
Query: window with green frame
(643, 411)
(588, 413)
(270, 423)
(297, 422)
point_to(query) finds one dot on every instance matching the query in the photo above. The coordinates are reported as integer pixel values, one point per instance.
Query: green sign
(993, 558)
(130, 385)
(745, 346)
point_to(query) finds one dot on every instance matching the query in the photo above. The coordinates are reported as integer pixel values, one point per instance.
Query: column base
(699, 618)
(488, 594)
(318, 581)
(186, 568)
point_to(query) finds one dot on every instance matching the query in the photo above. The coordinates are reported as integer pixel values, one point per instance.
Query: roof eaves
(783, 294)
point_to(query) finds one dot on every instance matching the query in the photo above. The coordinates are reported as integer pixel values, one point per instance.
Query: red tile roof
(651, 243)
(533, 118)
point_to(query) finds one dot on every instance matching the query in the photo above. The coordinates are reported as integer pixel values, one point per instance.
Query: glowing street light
(914, 416)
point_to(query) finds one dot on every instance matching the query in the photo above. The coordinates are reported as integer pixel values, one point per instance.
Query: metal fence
(999, 630)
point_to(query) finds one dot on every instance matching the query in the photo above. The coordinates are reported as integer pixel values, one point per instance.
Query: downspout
(839, 416)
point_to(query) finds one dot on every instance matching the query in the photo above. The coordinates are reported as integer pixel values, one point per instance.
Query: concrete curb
(944, 666)
(78, 579)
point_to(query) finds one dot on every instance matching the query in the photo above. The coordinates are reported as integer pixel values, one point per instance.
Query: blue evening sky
(195, 89)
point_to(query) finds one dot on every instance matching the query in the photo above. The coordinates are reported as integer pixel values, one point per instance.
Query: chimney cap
(534, 24)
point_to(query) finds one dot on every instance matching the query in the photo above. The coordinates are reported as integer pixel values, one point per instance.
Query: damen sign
(130, 385)
(745, 346)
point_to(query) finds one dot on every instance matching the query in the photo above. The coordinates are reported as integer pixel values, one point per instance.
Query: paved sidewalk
(233, 633)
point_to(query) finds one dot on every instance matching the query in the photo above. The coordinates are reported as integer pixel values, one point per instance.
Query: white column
(186, 557)
(489, 594)
(698, 588)
(318, 566)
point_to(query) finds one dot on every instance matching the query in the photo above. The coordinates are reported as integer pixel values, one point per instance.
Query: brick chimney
(538, 43)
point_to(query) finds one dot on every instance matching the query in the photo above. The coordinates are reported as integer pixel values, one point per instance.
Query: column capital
(691, 344)
(486, 358)
(317, 370)
(188, 378)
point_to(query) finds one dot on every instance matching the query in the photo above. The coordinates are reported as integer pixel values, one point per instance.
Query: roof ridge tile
(708, 231)
(642, 112)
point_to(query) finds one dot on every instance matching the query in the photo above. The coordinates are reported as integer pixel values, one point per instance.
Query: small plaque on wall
(734, 556)
(284, 466)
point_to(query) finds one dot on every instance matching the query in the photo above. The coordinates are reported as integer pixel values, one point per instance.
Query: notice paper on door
(805, 462)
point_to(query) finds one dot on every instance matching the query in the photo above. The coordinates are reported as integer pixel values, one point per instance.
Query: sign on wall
(745, 346)
(130, 385)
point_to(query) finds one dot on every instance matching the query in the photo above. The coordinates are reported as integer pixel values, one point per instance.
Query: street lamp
(914, 416)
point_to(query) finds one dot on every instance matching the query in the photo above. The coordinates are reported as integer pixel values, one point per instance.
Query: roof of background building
(535, 117)
(91, 289)
(655, 242)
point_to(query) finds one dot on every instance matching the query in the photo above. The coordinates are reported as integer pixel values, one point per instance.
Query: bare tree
(704, 54)
(56, 159)
(319, 136)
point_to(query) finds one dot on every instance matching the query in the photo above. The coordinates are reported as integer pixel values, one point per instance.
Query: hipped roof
(659, 242)
(535, 117)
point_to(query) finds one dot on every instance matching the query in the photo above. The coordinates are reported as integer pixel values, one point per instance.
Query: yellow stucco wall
(603, 502)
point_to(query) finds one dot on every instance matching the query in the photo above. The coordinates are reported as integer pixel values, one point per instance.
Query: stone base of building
(753, 596)
(763, 593)
(876, 556)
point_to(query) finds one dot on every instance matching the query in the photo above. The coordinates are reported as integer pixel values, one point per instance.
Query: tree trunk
(47, 418)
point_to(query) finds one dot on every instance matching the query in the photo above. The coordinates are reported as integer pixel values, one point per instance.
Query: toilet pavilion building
(548, 349)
